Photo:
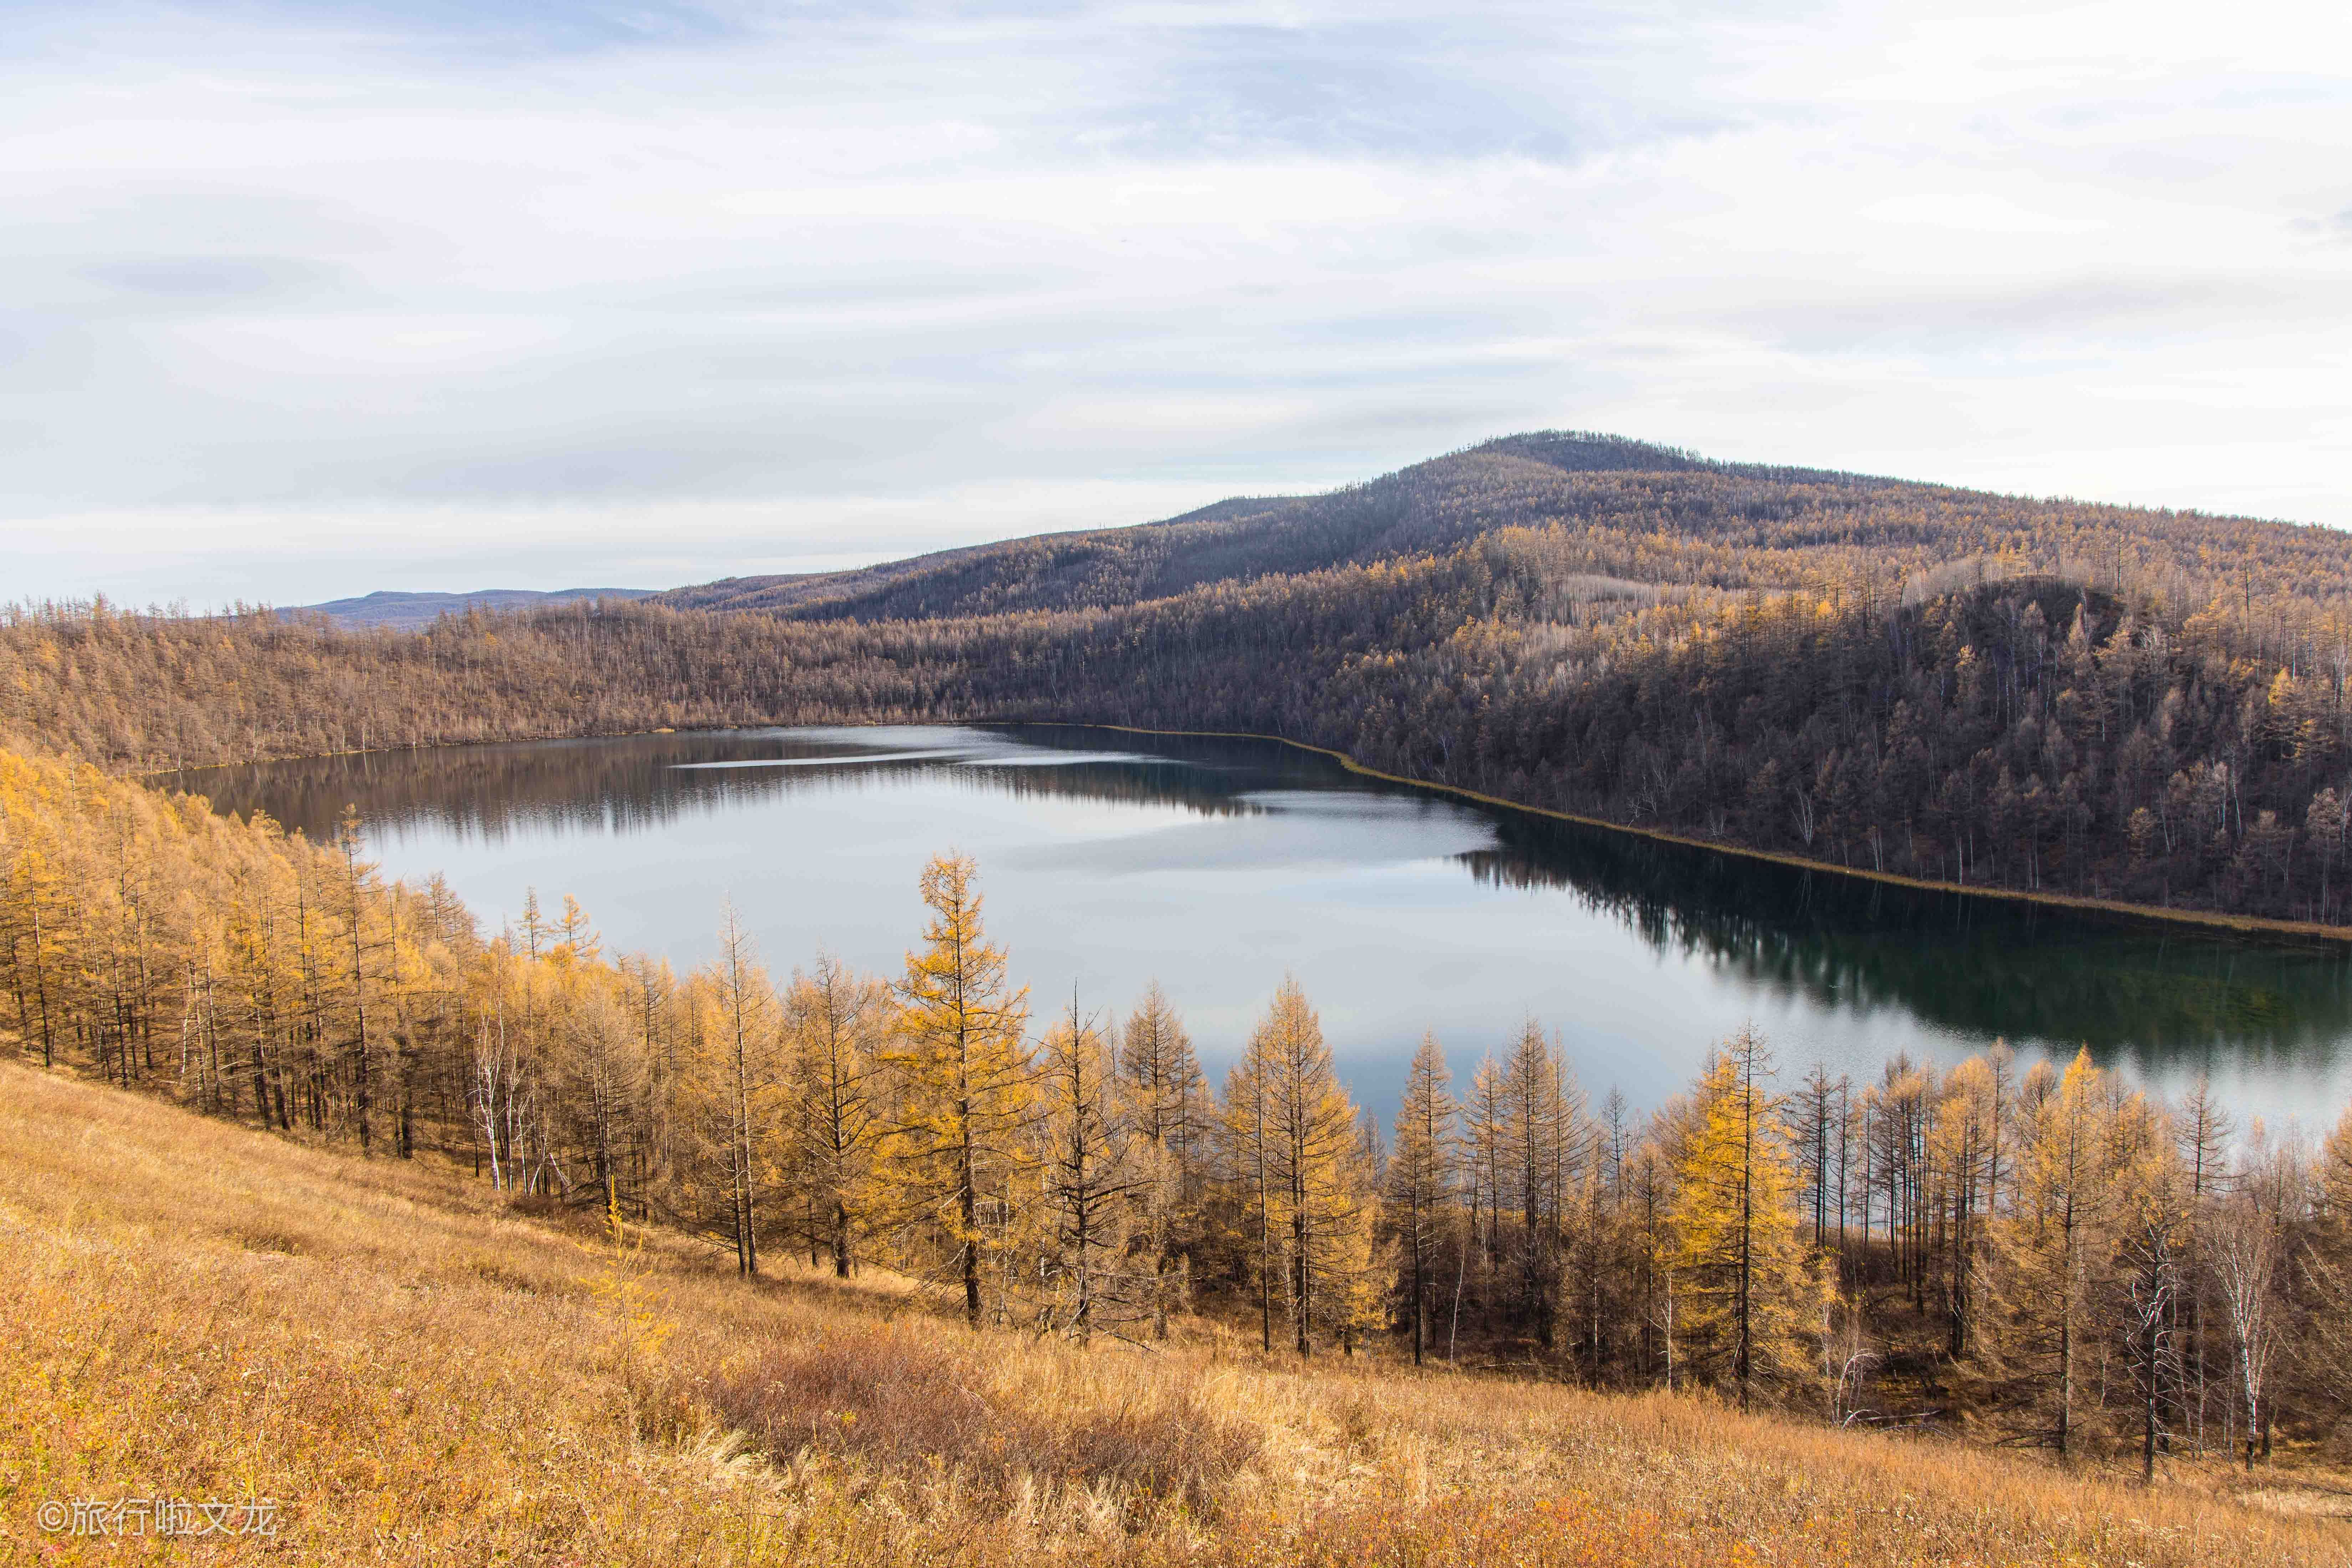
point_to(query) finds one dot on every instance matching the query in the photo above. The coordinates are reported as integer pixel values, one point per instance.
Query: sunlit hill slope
(414, 1371)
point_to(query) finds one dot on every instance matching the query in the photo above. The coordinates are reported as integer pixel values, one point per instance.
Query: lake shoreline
(2154, 913)
(2263, 925)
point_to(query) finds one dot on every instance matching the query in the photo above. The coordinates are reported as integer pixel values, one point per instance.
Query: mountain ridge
(1581, 481)
(1238, 538)
(403, 610)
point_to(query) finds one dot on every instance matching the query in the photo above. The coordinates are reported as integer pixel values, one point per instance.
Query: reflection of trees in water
(1125, 782)
(641, 782)
(2161, 998)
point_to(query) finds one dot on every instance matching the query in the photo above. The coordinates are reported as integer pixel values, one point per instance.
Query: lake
(1218, 865)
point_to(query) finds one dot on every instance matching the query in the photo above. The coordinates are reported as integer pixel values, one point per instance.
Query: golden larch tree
(1418, 1188)
(1745, 1292)
(1301, 1154)
(966, 1079)
(1096, 1188)
(837, 1025)
(2050, 1254)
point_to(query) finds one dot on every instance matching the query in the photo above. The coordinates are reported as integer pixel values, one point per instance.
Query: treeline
(2150, 708)
(2035, 1255)
(133, 692)
(2031, 733)
(2047, 1256)
(254, 974)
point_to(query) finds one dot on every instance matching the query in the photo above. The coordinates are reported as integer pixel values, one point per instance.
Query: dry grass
(899, 1403)
(415, 1376)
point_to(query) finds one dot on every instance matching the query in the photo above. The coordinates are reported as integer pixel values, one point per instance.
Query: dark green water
(1218, 865)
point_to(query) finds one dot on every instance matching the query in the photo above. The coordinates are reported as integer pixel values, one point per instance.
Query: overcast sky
(300, 300)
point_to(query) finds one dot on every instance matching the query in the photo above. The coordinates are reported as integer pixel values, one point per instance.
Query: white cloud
(1977, 213)
(306, 300)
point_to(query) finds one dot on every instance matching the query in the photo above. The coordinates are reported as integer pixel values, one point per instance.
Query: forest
(2016, 1251)
(2038, 697)
(1630, 514)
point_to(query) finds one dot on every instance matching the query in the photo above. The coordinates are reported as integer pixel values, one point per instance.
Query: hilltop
(411, 1369)
(1653, 516)
(1416, 511)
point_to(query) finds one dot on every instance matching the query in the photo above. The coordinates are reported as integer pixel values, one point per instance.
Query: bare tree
(2247, 1249)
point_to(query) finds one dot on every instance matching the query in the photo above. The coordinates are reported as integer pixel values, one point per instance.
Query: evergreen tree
(965, 1081)
(1092, 1180)
(838, 1025)
(2050, 1256)
(1418, 1188)
(1165, 1093)
(1746, 1294)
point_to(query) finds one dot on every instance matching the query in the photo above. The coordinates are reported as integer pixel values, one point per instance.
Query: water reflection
(634, 783)
(2164, 998)
(1217, 864)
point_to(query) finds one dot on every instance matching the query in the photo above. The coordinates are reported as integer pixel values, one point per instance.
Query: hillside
(411, 1370)
(1649, 515)
(409, 612)
(1430, 507)
(2044, 698)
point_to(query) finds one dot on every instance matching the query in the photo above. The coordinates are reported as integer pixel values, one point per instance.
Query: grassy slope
(414, 1374)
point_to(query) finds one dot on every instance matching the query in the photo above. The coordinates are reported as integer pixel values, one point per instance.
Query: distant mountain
(412, 612)
(1432, 507)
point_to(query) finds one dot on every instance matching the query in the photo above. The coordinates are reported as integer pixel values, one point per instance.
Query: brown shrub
(918, 1408)
(265, 1238)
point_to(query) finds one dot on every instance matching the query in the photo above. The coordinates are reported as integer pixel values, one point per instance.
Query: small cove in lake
(1219, 865)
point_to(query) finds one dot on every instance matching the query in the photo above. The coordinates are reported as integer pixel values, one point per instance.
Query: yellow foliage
(1746, 1291)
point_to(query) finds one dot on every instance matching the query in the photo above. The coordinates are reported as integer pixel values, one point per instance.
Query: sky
(299, 300)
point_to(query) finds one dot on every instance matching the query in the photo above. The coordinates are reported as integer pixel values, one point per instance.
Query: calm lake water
(1109, 859)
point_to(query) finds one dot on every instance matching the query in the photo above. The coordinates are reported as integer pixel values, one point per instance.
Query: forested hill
(1430, 507)
(1650, 514)
(2046, 696)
